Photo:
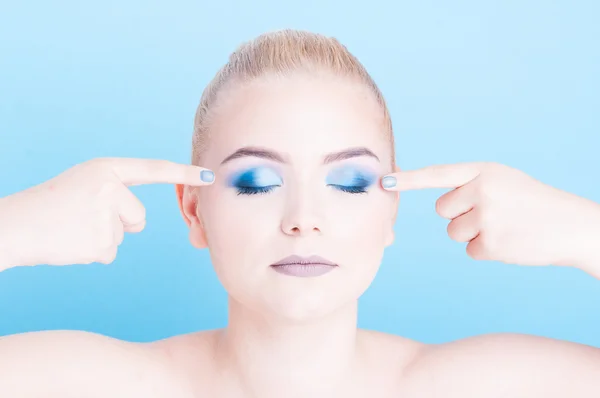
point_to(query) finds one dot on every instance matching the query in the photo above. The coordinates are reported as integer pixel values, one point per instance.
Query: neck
(269, 354)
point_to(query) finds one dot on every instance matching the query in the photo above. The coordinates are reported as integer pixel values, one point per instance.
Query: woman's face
(298, 163)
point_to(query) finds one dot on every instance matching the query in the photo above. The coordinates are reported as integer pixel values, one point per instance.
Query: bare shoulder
(182, 349)
(501, 365)
(177, 345)
(384, 358)
(389, 348)
(192, 355)
(60, 363)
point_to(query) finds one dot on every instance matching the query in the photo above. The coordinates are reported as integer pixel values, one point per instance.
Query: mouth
(304, 266)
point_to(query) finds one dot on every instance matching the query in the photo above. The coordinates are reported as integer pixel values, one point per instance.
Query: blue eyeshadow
(260, 180)
(255, 180)
(351, 179)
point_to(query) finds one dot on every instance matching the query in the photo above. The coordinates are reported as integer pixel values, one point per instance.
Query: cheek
(244, 230)
(359, 230)
(357, 236)
(238, 227)
(359, 219)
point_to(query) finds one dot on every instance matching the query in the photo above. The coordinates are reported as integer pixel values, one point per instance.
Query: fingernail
(207, 176)
(388, 181)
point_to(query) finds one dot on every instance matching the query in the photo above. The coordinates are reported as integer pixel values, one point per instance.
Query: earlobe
(390, 236)
(188, 206)
(198, 237)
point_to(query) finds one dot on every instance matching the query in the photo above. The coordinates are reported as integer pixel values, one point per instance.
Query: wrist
(587, 254)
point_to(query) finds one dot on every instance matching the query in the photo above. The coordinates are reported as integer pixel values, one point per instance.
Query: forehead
(301, 117)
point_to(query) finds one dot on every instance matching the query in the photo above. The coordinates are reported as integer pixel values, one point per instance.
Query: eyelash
(351, 190)
(264, 190)
(255, 190)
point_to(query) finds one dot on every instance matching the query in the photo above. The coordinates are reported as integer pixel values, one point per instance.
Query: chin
(292, 306)
(300, 300)
(306, 305)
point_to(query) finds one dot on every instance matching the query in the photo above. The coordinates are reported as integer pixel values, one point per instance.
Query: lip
(310, 266)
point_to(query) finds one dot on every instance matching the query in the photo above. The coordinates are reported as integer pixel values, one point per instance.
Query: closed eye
(349, 189)
(350, 180)
(255, 190)
(258, 180)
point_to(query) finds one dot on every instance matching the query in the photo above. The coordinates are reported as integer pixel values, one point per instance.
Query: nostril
(300, 230)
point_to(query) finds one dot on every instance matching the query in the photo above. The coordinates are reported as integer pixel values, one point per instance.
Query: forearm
(10, 233)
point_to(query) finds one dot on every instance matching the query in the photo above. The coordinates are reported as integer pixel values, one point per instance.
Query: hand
(508, 216)
(80, 216)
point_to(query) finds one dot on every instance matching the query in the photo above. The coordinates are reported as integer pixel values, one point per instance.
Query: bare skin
(288, 336)
(78, 364)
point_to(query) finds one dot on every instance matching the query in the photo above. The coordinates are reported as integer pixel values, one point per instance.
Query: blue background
(510, 81)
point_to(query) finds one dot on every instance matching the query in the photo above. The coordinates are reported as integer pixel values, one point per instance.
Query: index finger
(152, 171)
(438, 176)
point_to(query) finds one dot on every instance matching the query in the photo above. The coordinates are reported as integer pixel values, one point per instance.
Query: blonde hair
(281, 53)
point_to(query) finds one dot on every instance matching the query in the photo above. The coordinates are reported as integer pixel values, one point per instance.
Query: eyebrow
(349, 154)
(276, 157)
(255, 152)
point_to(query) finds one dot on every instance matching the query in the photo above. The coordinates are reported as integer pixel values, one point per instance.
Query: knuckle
(474, 252)
(490, 245)
(490, 165)
(485, 218)
(458, 232)
(108, 188)
(440, 206)
(487, 188)
(106, 241)
(443, 206)
(95, 166)
(133, 213)
(141, 226)
(120, 235)
(135, 228)
(108, 256)
(104, 232)
(99, 177)
(476, 249)
(141, 212)
(452, 230)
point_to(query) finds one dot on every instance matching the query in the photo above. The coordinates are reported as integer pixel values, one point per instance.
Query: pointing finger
(438, 176)
(151, 171)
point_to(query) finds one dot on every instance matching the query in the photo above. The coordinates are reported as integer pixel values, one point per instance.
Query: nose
(302, 217)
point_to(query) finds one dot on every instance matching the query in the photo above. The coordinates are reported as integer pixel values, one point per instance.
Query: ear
(188, 206)
(395, 203)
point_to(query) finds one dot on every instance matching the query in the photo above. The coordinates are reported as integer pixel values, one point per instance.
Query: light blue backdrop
(509, 81)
